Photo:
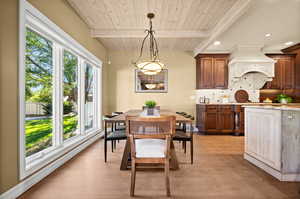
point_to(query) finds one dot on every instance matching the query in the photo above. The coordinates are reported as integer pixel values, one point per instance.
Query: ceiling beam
(232, 15)
(98, 33)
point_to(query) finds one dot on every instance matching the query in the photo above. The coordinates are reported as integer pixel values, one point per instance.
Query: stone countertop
(287, 107)
(275, 106)
(253, 104)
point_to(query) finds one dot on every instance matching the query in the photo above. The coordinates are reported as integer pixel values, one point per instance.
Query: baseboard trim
(291, 177)
(23, 186)
(277, 174)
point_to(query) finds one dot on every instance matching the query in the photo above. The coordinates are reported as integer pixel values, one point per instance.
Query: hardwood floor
(219, 171)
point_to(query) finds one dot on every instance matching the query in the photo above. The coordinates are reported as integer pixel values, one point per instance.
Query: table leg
(173, 162)
(126, 154)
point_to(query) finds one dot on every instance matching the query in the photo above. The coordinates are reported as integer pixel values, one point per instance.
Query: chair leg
(167, 169)
(184, 144)
(132, 178)
(192, 151)
(115, 144)
(105, 150)
(112, 146)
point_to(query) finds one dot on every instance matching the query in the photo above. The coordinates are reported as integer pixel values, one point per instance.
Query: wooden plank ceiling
(179, 24)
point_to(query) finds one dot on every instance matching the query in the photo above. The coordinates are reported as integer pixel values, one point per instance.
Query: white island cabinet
(272, 140)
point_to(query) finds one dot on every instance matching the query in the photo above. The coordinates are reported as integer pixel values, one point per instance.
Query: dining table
(125, 163)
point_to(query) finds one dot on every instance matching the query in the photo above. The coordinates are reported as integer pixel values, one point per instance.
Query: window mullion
(58, 95)
(95, 97)
(81, 97)
(99, 96)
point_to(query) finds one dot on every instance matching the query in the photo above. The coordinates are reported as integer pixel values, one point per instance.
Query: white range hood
(248, 65)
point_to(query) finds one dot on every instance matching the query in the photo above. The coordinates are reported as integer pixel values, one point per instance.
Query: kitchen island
(272, 139)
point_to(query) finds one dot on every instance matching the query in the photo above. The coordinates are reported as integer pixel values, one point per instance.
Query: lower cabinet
(262, 140)
(216, 118)
(272, 141)
(225, 118)
(211, 121)
(239, 117)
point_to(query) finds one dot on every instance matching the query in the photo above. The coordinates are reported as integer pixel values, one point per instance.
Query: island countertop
(252, 104)
(288, 107)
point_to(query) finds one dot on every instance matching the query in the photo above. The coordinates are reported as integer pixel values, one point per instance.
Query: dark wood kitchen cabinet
(284, 72)
(220, 118)
(239, 119)
(211, 71)
(204, 72)
(215, 118)
(225, 118)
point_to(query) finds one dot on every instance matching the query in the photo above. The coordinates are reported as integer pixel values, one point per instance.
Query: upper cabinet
(211, 71)
(284, 72)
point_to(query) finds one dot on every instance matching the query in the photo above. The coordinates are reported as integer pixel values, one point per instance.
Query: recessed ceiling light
(217, 43)
(288, 43)
(268, 34)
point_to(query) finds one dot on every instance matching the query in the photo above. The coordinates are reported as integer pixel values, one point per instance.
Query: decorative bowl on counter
(241, 96)
(267, 100)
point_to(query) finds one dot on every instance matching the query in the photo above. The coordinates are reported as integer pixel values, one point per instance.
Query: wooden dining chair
(150, 139)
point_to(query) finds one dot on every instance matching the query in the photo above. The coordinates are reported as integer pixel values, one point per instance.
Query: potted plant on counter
(283, 99)
(150, 106)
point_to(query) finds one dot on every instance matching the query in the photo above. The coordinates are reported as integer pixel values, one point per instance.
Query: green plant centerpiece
(150, 106)
(284, 99)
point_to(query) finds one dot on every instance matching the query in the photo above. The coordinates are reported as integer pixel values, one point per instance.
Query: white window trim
(28, 15)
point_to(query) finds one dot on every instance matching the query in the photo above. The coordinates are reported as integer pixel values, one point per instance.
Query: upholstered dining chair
(150, 139)
(183, 136)
(118, 125)
(112, 134)
(180, 126)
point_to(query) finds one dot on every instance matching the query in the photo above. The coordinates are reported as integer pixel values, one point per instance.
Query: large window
(70, 91)
(59, 92)
(38, 92)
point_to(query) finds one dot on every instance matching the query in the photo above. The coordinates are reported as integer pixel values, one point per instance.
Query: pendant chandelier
(151, 65)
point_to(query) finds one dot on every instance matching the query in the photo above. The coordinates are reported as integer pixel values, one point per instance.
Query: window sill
(51, 155)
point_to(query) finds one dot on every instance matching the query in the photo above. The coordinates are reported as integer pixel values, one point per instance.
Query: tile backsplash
(218, 95)
(250, 82)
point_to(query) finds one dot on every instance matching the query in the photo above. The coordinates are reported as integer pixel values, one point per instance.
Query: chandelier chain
(152, 43)
(152, 65)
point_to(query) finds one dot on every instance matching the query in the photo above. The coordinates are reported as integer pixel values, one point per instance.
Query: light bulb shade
(150, 67)
(150, 86)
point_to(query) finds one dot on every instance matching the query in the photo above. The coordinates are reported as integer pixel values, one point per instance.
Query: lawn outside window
(52, 108)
